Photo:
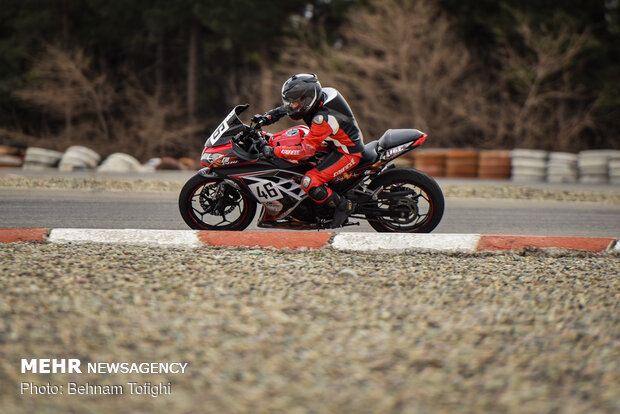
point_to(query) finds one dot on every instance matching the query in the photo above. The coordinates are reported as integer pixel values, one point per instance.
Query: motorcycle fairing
(290, 136)
(278, 191)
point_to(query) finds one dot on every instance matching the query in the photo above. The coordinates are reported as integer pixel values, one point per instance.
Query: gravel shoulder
(316, 331)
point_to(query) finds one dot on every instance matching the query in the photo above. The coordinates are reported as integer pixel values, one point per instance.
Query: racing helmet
(300, 93)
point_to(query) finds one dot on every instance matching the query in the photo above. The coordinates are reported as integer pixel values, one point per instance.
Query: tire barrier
(430, 161)
(518, 165)
(11, 161)
(494, 165)
(614, 168)
(521, 165)
(12, 156)
(462, 163)
(79, 158)
(41, 159)
(529, 165)
(562, 168)
(120, 162)
(594, 166)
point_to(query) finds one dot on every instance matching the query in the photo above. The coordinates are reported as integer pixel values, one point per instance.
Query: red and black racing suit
(331, 123)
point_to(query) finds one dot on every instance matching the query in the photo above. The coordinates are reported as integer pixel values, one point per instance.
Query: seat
(369, 155)
(395, 137)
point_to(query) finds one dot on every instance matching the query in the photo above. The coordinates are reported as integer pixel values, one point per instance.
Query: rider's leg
(314, 184)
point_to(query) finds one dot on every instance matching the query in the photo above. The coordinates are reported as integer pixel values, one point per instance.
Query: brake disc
(206, 202)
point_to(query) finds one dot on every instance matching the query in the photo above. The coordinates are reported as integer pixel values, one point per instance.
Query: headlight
(210, 158)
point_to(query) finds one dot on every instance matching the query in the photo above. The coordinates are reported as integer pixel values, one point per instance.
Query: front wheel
(209, 203)
(409, 202)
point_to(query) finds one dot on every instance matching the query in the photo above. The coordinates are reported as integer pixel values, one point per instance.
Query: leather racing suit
(332, 125)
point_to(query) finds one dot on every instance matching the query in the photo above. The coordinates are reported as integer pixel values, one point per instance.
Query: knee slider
(306, 182)
(319, 193)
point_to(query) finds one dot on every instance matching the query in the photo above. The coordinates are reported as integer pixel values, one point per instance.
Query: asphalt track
(50, 208)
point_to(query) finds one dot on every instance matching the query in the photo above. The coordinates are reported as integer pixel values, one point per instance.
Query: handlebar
(251, 139)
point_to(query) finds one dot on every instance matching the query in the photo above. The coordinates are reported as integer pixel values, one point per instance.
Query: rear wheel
(409, 202)
(209, 203)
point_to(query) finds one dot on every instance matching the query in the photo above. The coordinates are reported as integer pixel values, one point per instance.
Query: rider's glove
(261, 119)
(268, 152)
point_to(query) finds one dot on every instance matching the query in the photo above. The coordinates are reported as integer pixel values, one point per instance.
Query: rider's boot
(341, 205)
(343, 208)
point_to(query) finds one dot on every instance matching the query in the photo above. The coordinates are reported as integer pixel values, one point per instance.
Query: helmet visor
(294, 105)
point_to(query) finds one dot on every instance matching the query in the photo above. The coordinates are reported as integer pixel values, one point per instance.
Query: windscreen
(230, 126)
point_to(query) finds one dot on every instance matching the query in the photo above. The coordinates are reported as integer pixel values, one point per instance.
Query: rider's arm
(319, 130)
(275, 114)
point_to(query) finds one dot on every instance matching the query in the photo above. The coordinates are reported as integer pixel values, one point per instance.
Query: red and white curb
(310, 240)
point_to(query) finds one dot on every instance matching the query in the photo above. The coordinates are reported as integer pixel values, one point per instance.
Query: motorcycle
(236, 178)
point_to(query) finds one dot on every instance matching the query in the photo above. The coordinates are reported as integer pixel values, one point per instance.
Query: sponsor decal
(345, 168)
(396, 150)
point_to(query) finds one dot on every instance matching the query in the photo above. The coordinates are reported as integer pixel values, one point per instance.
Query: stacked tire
(529, 165)
(593, 166)
(462, 163)
(79, 158)
(39, 159)
(430, 161)
(562, 168)
(614, 168)
(494, 165)
(119, 162)
(12, 156)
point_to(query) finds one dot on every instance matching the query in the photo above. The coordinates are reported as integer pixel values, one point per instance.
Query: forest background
(154, 77)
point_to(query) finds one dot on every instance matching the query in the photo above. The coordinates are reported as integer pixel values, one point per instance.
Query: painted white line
(400, 241)
(161, 238)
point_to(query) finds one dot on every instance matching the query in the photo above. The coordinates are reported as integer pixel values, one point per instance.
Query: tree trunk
(65, 45)
(267, 88)
(159, 69)
(192, 75)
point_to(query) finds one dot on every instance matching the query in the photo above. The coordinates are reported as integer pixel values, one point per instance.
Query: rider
(332, 124)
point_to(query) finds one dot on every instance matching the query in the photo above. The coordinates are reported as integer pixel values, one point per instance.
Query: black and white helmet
(300, 94)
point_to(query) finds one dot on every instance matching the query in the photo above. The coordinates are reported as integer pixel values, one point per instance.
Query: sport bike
(236, 178)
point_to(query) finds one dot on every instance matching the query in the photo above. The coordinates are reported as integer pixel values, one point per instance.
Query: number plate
(265, 191)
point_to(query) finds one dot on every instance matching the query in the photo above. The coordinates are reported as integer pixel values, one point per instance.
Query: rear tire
(422, 211)
(208, 203)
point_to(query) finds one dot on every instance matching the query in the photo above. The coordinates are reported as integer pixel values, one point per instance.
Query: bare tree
(192, 74)
(549, 109)
(61, 84)
(107, 119)
(401, 64)
(152, 126)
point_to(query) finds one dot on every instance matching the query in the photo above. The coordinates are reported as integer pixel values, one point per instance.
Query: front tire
(421, 209)
(209, 203)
